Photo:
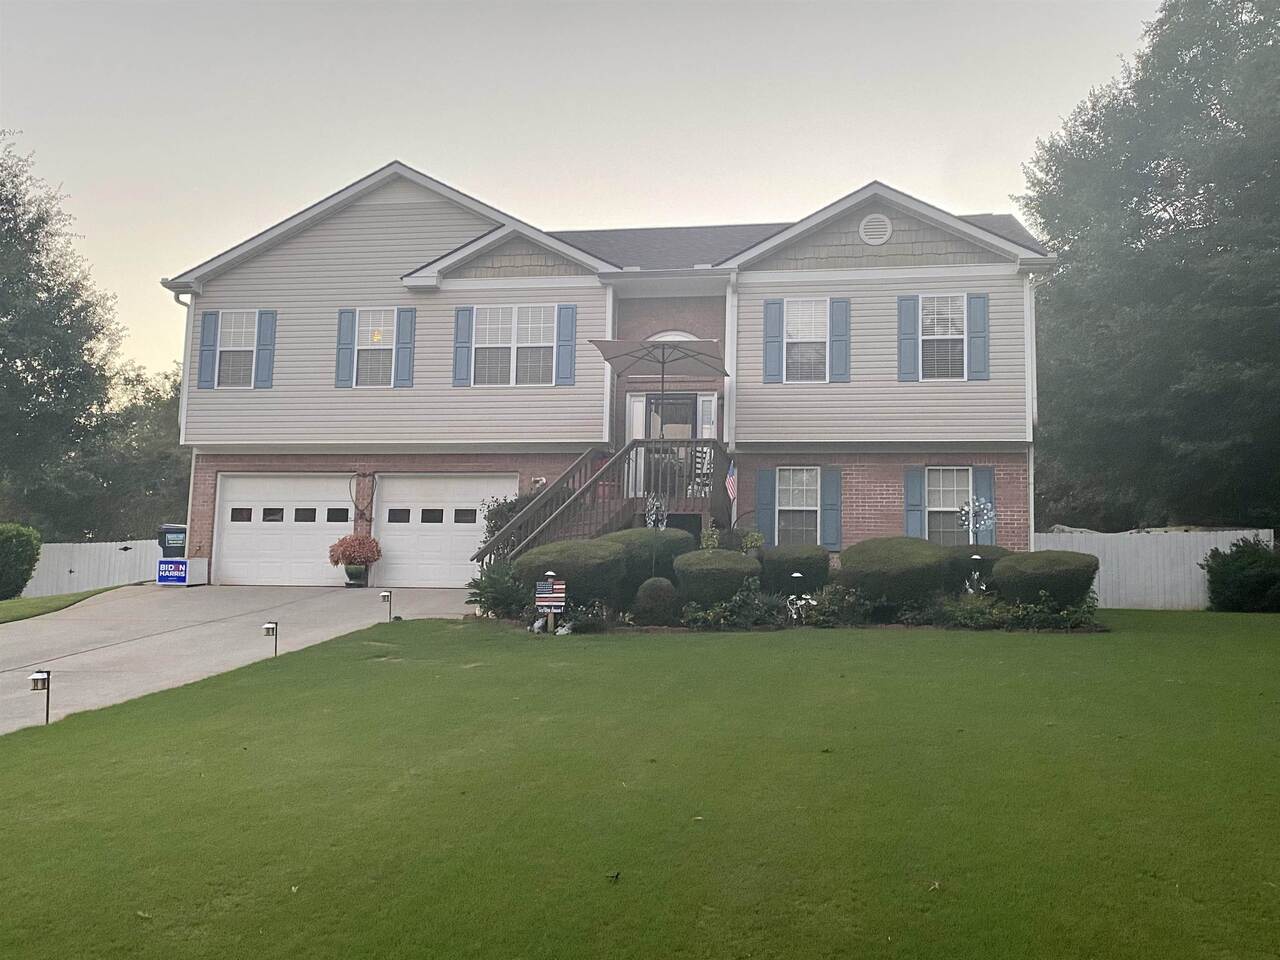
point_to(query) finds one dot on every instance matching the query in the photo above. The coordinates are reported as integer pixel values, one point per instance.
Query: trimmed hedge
(709, 576)
(1244, 578)
(778, 563)
(19, 551)
(1066, 576)
(960, 560)
(649, 553)
(656, 604)
(899, 570)
(591, 569)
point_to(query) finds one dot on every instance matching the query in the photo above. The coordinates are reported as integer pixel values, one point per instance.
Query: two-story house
(392, 356)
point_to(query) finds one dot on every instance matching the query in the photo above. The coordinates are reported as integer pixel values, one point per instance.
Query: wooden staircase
(590, 498)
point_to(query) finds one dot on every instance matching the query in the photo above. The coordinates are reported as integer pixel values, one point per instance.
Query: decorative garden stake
(655, 512)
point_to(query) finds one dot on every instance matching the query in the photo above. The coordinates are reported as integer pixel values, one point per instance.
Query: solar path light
(272, 629)
(385, 597)
(40, 681)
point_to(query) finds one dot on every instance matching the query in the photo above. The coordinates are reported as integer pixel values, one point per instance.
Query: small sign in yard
(549, 596)
(172, 572)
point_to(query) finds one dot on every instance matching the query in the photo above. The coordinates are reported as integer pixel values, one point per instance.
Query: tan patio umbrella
(657, 358)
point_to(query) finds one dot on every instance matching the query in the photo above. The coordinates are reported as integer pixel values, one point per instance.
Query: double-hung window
(797, 492)
(805, 326)
(375, 346)
(237, 334)
(949, 489)
(514, 345)
(942, 337)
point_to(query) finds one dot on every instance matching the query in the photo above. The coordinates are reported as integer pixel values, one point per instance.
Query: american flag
(549, 594)
(731, 482)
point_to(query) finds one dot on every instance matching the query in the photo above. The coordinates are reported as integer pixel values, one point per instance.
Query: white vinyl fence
(70, 567)
(1150, 569)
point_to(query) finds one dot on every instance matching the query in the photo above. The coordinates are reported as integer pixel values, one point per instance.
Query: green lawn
(432, 789)
(23, 609)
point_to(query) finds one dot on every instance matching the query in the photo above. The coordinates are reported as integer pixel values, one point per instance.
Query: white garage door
(429, 525)
(276, 530)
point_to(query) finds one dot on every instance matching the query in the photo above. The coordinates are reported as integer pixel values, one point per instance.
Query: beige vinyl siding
(837, 245)
(874, 406)
(355, 258)
(518, 257)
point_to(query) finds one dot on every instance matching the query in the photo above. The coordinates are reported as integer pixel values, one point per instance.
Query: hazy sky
(179, 129)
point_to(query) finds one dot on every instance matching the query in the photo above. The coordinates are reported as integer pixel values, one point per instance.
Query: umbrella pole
(662, 395)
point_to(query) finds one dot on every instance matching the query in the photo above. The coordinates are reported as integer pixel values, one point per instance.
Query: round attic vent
(875, 229)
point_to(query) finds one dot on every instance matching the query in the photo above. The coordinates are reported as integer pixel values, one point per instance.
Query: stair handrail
(722, 455)
(490, 546)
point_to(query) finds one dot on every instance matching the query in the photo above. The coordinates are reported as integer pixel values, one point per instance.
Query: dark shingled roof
(674, 248)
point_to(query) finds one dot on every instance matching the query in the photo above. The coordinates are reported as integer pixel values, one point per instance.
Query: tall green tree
(1159, 334)
(88, 445)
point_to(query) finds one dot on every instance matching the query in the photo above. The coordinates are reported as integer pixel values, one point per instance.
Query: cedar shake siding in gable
(874, 406)
(913, 242)
(355, 258)
(518, 257)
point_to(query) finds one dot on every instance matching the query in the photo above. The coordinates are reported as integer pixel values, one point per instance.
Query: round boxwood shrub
(591, 569)
(778, 563)
(650, 552)
(904, 571)
(19, 551)
(1244, 578)
(656, 603)
(961, 563)
(709, 576)
(1067, 577)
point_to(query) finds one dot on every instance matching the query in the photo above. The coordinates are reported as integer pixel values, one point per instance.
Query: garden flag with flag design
(731, 482)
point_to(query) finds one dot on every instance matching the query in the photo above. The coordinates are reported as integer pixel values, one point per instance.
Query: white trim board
(748, 278)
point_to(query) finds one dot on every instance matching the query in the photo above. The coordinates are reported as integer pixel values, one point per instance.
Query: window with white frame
(797, 496)
(375, 347)
(237, 333)
(942, 328)
(947, 490)
(514, 345)
(805, 326)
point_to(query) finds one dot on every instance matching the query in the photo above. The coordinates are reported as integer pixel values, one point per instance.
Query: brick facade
(204, 480)
(872, 489)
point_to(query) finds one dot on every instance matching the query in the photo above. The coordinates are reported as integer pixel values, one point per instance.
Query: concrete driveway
(135, 640)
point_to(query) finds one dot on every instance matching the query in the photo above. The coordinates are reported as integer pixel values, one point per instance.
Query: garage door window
(241, 514)
(304, 515)
(433, 515)
(398, 515)
(337, 515)
(273, 514)
(464, 516)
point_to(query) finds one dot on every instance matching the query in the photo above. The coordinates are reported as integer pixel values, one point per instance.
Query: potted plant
(355, 552)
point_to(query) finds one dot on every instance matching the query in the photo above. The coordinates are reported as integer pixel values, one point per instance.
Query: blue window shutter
(979, 348)
(908, 338)
(346, 368)
(265, 361)
(913, 499)
(462, 317)
(830, 520)
(766, 498)
(838, 340)
(773, 341)
(984, 488)
(208, 350)
(406, 336)
(566, 343)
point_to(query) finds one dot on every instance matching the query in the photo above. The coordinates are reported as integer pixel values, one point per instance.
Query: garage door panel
(429, 525)
(276, 530)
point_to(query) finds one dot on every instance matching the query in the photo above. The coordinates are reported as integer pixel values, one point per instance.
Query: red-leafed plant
(355, 550)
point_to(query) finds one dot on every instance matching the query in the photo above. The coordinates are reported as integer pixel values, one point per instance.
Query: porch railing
(540, 508)
(683, 476)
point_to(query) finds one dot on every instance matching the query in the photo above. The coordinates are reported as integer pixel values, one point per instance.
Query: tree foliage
(1160, 331)
(90, 445)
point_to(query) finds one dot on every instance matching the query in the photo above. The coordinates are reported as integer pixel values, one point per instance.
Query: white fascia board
(748, 277)
(907, 202)
(501, 283)
(431, 272)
